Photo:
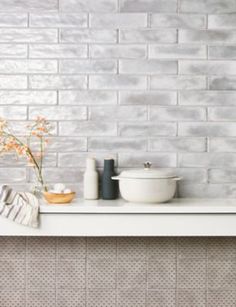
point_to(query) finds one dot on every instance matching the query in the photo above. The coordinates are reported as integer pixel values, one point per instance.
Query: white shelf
(177, 205)
(181, 217)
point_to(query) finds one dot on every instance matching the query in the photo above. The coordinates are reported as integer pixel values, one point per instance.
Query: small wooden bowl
(59, 198)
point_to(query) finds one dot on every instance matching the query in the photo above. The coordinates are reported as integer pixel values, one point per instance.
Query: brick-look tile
(124, 113)
(148, 67)
(59, 113)
(56, 20)
(130, 51)
(79, 159)
(178, 21)
(26, 5)
(189, 175)
(212, 6)
(122, 144)
(28, 66)
(88, 66)
(207, 67)
(210, 129)
(222, 83)
(158, 159)
(223, 21)
(54, 82)
(16, 175)
(177, 113)
(147, 129)
(207, 98)
(222, 144)
(88, 128)
(52, 51)
(207, 37)
(115, 82)
(148, 36)
(222, 52)
(148, 6)
(13, 20)
(118, 20)
(13, 51)
(28, 35)
(222, 176)
(178, 83)
(100, 6)
(177, 144)
(177, 51)
(207, 159)
(87, 36)
(148, 98)
(28, 97)
(89, 97)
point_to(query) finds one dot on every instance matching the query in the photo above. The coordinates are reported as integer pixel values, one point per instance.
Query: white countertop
(181, 217)
(177, 205)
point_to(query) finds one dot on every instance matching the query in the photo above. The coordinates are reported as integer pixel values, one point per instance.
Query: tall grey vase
(109, 186)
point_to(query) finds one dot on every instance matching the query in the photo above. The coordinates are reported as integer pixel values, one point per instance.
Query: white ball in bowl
(67, 191)
(59, 188)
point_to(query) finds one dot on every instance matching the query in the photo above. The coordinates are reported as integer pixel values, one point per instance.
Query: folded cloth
(20, 207)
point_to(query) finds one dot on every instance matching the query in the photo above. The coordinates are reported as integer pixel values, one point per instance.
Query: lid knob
(147, 165)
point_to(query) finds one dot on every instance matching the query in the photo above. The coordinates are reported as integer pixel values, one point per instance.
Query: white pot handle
(177, 178)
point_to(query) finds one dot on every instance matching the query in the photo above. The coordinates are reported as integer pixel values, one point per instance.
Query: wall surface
(123, 272)
(138, 80)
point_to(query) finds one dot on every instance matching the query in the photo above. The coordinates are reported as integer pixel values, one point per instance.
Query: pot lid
(147, 173)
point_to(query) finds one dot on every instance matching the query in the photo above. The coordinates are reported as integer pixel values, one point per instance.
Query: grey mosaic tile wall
(122, 272)
(136, 80)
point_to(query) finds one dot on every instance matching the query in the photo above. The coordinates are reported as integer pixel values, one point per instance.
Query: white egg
(51, 191)
(59, 187)
(67, 191)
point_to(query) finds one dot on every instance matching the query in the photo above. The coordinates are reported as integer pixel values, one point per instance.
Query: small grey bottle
(109, 186)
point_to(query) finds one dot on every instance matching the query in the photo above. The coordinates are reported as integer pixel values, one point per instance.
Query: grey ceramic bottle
(109, 186)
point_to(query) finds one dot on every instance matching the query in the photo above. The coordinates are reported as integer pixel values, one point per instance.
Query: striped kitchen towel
(20, 207)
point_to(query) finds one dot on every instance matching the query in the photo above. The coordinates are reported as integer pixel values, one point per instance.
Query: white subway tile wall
(135, 80)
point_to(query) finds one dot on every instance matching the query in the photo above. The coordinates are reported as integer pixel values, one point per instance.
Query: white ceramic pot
(147, 185)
